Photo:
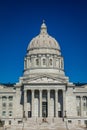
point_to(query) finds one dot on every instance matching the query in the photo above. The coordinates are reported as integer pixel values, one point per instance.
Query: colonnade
(56, 101)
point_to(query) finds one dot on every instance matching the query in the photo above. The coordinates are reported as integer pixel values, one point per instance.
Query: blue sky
(20, 21)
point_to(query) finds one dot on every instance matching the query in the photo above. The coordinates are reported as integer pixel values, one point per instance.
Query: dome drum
(46, 62)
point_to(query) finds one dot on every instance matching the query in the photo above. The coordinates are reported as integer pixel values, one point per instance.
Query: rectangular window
(4, 105)
(84, 106)
(78, 113)
(69, 121)
(19, 122)
(3, 122)
(10, 105)
(3, 113)
(9, 122)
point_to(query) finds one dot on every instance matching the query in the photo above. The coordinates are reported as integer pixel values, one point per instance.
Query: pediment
(45, 79)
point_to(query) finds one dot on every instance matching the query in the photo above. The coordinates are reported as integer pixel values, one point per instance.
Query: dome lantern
(43, 28)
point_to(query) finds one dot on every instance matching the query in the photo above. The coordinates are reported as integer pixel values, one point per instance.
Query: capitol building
(43, 94)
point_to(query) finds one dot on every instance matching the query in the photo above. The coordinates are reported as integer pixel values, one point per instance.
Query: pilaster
(81, 105)
(64, 102)
(25, 102)
(56, 103)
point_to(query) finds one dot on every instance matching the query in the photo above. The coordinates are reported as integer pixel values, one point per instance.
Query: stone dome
(43, 40)
(43, 57)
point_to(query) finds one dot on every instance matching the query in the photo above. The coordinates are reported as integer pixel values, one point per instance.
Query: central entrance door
(44, 109)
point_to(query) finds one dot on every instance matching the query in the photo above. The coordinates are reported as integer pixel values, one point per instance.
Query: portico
(44, 103)
(44, 79)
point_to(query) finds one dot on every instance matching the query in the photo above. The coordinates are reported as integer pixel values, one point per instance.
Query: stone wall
(70, 103)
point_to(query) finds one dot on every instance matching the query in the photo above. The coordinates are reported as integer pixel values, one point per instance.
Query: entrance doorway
(60, 103)
(44, 109)
(59, 114)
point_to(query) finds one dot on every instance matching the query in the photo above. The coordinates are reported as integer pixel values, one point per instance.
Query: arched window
(37, 61)
(4, 98)
(10, 98)
(50, 61)
(3, 113)
(44, 61)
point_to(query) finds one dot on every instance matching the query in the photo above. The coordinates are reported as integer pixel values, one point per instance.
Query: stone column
(56, 103)
(81, 106)
(32, 61)
(48, 100)
(25, 103)
(64, 102)
(32, 103)
(40, 103)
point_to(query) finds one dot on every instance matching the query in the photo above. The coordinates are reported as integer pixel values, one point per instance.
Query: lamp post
(65, 119)
(23, 123)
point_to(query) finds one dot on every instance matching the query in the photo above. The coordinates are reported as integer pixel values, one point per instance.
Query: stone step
(41, 121)
(33, 124)
(43, 126)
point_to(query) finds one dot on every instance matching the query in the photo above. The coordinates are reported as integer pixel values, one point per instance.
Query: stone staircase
(40, 124)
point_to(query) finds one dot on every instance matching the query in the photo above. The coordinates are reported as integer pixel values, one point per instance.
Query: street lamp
(65, 119)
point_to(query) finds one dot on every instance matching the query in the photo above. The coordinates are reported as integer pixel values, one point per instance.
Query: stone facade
(43, 92)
